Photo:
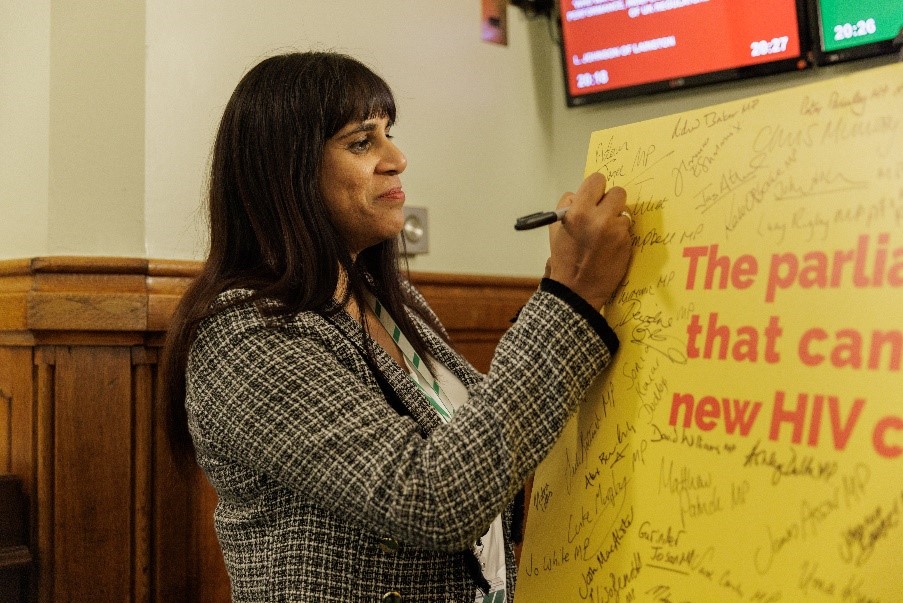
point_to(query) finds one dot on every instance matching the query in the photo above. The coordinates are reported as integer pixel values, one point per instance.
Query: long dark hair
(270, 229)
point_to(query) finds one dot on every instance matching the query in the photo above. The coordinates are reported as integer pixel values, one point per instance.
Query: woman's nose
(394, 161)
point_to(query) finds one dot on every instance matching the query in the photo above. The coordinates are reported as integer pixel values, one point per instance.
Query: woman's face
(361, 183)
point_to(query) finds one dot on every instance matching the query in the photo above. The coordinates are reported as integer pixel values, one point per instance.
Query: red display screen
(626, 47)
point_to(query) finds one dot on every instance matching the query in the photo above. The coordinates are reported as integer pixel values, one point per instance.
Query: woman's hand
(591, 245)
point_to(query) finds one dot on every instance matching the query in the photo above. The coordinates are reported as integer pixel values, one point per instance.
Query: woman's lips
(393, 193)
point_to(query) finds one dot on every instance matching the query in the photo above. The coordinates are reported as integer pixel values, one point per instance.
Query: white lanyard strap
(420, 374)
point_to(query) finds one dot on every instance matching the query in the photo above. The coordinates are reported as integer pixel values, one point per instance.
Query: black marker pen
(538, 219)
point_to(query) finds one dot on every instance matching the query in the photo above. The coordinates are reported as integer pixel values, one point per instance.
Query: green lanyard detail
(418, 371)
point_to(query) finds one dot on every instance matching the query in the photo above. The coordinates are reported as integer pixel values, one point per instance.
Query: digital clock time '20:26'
(863, 27)
(852, 23)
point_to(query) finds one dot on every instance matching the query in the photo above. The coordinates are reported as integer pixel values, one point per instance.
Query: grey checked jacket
(327, 494)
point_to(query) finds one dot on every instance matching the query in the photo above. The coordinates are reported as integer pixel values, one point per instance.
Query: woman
(356, 455)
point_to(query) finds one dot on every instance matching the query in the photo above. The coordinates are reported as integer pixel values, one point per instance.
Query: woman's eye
(360, 146)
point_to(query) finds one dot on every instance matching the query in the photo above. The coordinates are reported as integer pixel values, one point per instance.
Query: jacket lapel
(397, 378)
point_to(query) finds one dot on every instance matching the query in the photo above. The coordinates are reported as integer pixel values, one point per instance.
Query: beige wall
(96, 202)
(470, 120)
(109, 108)
(72, 127)
(24, 127)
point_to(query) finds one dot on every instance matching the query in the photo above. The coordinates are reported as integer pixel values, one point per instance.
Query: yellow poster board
(745, 445)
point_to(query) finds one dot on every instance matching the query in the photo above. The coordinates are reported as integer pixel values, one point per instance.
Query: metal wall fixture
(414, 238)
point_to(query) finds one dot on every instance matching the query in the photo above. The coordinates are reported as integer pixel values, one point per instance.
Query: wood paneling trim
(88, 265)
(15, 284)
(43, 501)
(143, 363)
(64, 295)
(73, 294)
(166, 282)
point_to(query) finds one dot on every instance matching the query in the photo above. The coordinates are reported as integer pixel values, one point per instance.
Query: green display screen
(852, 23)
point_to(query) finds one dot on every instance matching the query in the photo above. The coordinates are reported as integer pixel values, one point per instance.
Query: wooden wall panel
(172, 525)
(110, 516)
(16, 408)
(6, 421)
(93, 476)
(210, 578)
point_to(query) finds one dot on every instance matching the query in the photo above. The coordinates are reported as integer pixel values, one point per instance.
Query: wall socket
(414, 238)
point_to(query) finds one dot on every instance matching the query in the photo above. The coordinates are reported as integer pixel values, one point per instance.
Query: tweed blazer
(327, 493)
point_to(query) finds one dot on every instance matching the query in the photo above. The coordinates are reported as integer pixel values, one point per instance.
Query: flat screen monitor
(854, 29)
(620, 48)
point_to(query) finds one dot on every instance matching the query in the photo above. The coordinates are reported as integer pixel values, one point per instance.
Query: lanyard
(418, 371)
(420, 374)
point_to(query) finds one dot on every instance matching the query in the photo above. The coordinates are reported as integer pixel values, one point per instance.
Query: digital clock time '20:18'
(849, 23)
